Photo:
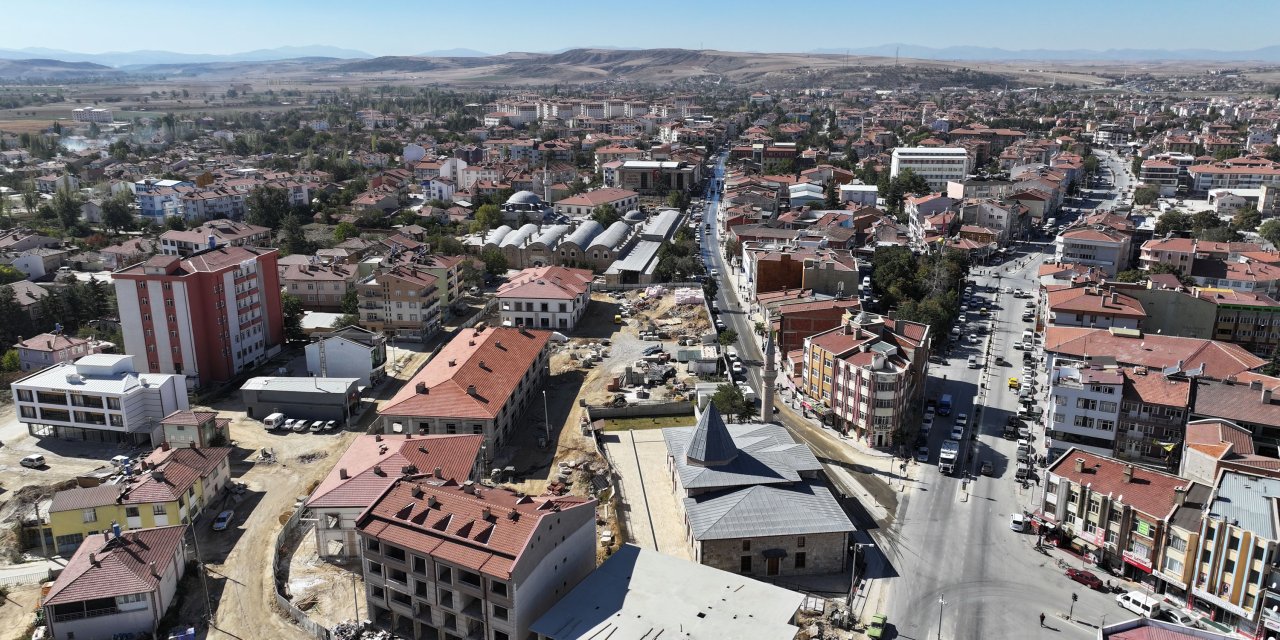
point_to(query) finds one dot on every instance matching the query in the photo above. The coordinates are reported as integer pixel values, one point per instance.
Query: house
(1137, 348)
(751, 499)
(583, 204)
(1094, 246)
(133, 250)
(170, 486)
(349, 352)
(470, 561)
(40, 263)
(27, 293)
(545, 297)
(481, 382)
(1085, 406)
(48, 349)
(370, 465)
(335, 399)
(1247, 403)
(640, 592)
(117, 585)
(195, 429)
(100, 397)
(214, 233)
(320, 287)
(1091, 306)
(1213, 445)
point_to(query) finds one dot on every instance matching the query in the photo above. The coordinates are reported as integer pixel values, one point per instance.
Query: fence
(34, 576)
(640, 410)
(479, 315)
(279, 571)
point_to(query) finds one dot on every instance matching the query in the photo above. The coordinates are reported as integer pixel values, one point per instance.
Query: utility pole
(941, 603)
(546, 415)
(355, 596)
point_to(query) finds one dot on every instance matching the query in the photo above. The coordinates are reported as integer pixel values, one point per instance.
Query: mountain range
(146, 57)
(1265, 54)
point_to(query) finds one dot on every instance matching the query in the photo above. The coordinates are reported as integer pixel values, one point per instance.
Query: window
(800, 542)
(130, 512)
(90, 515)
(372, 545)
(498, 635)
(500, 612)
(158, 510)
(744, 565)
(498, 588)
(800, 559)
(375, 568)
(445, 575)
(746, 545)
(1177, 544)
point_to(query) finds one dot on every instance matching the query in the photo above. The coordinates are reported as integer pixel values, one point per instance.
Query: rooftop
(1247, 501)
(373, 462)
(106, 566)
(1134, 348)
(1150, 492)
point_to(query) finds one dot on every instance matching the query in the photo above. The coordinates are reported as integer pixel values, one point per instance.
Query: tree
(266, 206)
(1272, 368)
(1205, 219)
(291, 310)
(29, 197)
(11, 361)
(470, 275)
(117, 215)
(487, 217)
(1246, 220)
(344, 231)
(731, 403)
(1090, 165)
(175, 223)
(1226, 154)
(1131, 275)
(495, 262)
(1270, 231)
(351, 302)
(605, 214)
(832, 195)
(1174, 221)
(66, 206)
(295, 239)
(1145, 195)
(727, 337)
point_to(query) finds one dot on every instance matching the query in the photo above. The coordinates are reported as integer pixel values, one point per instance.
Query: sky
(408, 27)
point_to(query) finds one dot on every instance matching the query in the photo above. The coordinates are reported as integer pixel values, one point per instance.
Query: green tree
(727, 337)
(1131, 275)
(266, 206)
(1272, 368)
(1206, 219)
(494, 261)
(30, 199)
(1270, 231)
(1145, 195)
(832, 195)
(11, 361)
(1090, 165)
(1246, 219)
(1226, 154)
(351, 301)
(731, 403)
(1173, 221)
(487, 217)
(470, 275)
(175, 223)
(605, 214)
(294, 240)
(117, 214)
(344, 231)
(291, 310)
(66, 206)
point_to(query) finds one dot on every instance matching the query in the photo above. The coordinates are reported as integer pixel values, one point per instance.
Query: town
(840, 348)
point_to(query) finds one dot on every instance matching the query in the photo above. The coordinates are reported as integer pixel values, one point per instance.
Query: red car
(1086, 578)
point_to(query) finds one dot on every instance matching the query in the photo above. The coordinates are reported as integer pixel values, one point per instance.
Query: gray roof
(519, 237)
(711, 442)
(496, 236)
(613, 236)
(1248, 501)
(765, 510)
(300, 384)
(524, 197)
(1188, 515)
(585, 233)
(638, 593)
(766, 455)
(639, 258)
(551, 234)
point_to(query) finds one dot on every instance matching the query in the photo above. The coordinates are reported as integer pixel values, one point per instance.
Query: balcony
(87, 613)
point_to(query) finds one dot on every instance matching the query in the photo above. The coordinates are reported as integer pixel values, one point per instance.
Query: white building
(937, 165)
(92, 114)
(1084, 407)
(101, 397)
(545, 297)
(351, 352)
(860, 194)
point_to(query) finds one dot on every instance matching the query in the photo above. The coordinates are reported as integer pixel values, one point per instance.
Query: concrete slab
(620, 449)
(651, 515)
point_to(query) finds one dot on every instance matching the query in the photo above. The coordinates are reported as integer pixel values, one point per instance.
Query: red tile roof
(121, 566)
(1153, 388)
(493, 361)
(454, 455)
(1221, 359)
(50, 342)
(1092, 301)
(547, 283)
(1150, 492)
(485, 533)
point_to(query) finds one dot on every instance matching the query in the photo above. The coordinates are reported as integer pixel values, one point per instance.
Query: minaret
(769, 378)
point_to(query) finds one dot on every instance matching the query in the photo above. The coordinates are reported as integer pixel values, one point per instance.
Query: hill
(42, 69)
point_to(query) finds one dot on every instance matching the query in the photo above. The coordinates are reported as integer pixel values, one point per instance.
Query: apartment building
(215, 233)
(1251, 320)
(320, 287)
(481, 382)
(47, 349)
(1153, 415)
(545, 297)
(209, 316)
(92, 114)
(1009, 220)
(349, 352)
(1084, 406)
(583, 204)
(170, 486)
(459, 560)
(402, 302)
(937, 165)
(1094, 246)
(1091, 306)
(1238, 174)
(101, 398)
(1249, 401)
(117, 585)
(866, 377)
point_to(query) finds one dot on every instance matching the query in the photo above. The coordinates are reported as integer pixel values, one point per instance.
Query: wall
(824, 553)
(280, 572)
(1175, 314)
(640, 410)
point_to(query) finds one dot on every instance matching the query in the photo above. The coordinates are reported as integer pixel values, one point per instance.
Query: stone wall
(823, 553)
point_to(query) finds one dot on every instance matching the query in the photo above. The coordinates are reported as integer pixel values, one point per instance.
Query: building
(866, 376)
(369, 466)
(1153, 415)
(1213, 445)
(583, 204)
(937, 165)
(482, 382)
(100, 397)
(402, 302)
(545, 297)
(92, 114)
(1115, 513)
(320, 287)
(1084, 406)
(796, 315)
(117, 585)
(751, 499)
(639, 592)
(350, 352)
(311, 398)
(221, 233)
(648, 177)
(465, 561)
(1093, 307)
(210, 316)
(48, 349)
(1094, 246)
(1128, 347)
(170, 486)
(195, 429)
(1251, 405)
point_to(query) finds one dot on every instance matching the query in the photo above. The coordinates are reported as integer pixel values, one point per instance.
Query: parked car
(875, 628)
(33, 461)
(1086, 578)
(973, 361)
(1180, 617)
(299, 426)
(1014, 384)
(331, 425)
(317, 426)
(922, 454)
(223, 520)
(987, 468)
(1017, 523)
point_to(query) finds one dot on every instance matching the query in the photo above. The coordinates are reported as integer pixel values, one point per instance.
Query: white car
(926, 425)
(737, 367)
(1017, 523)
(962, 420)
(973, 362)
(957, 432)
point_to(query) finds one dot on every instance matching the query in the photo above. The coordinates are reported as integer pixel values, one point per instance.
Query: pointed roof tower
(711, 444)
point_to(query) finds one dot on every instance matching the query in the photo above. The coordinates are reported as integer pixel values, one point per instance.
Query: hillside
(42, 69)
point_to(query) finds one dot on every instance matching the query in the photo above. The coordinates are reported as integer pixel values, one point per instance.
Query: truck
(947, 457)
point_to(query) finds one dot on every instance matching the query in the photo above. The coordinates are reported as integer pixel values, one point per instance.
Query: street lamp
(941, 603)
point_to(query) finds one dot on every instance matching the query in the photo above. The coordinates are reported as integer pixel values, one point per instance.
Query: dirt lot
(326, 591)
(17, 611)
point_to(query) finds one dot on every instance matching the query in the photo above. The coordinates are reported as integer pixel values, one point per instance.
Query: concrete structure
(221, 233)
(545, 297)
(1153, 414)
(350, 352)
(99, 397)
(92, 114)
(1084, 406)
(320, 287)
(310, 398)
(647, 177)
(937, 165)
(210, 316)
(463, 561)
(751, 499)
(47, 349)
(639, 592)
(1094, 246)
(373, 463)
(117, 586)
(1254, 406)
(194, 429)
(483, 382)
(402, 301)
(1213, 445)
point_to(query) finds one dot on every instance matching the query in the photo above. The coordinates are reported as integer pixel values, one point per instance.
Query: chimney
(1128, 473)
(1255, 385)
(482, 367)
(377, 470)
(164, 446)
(416, 492)
(152, 566)
(158, 474)
(439, 472)
(93, 558)
(432, 503)
(486, 513)
(471, 390)
(1079, 465)
(1266, 396)
(1115, 298)
(1179, 496)
(377, 437)
(342, 473)
(421, 387)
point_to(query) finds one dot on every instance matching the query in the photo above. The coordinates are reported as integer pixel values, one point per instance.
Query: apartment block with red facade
(209, 316)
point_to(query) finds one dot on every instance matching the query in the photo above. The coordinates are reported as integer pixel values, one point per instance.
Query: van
(944, 405)
(1141, 604)
(273, 421)
(33, 461)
